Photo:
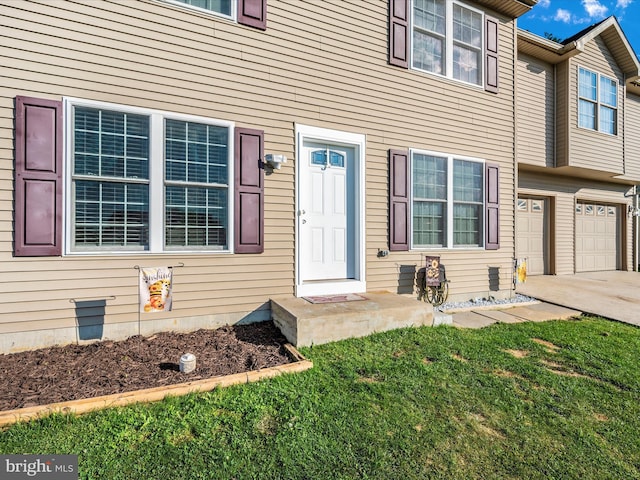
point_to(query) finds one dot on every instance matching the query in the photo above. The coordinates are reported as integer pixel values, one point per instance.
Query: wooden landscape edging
(155, 394)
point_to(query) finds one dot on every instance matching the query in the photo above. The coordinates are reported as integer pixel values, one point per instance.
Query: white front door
(326, 212)
(330, 229)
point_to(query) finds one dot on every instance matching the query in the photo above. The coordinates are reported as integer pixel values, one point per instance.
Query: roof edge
(576, 44)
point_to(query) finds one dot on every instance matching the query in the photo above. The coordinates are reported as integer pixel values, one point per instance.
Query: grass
(526, 401)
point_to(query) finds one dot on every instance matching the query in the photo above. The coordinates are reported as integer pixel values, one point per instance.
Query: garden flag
(155, 289)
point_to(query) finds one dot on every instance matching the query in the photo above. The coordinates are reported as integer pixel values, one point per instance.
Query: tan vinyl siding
(306, 68)
(565, 192)
(562, 114)
(535, 112)
(593, 149)
(632, 137)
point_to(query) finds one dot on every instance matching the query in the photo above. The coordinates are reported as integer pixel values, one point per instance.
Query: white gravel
(484, 302)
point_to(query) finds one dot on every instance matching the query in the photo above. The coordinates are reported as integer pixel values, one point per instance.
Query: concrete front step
(305, 323)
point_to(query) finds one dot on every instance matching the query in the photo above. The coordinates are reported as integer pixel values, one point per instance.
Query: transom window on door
(597, 102)
(448, 39)
(148, 181)
(447, 203)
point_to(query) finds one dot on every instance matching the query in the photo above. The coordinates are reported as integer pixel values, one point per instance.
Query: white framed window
(447, 201)
(447, 39)
(141, 180)
(224, 8)
(597, 102)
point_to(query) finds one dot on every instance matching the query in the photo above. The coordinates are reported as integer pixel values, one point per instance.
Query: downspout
(635, 229)
(635, 223)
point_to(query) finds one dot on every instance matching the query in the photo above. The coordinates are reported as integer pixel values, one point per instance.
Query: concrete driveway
(614, 295)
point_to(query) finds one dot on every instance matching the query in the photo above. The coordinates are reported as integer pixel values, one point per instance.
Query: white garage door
(597, 237)
(532, 238)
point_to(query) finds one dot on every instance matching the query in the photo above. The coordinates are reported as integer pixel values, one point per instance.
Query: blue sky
(564, 18)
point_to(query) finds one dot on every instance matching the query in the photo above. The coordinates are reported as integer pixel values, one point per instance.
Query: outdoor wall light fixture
(275, 160)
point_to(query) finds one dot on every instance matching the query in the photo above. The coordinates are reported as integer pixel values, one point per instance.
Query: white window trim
(450, 158)
(448, 36)
(206, 11)
(156, 179)
(597, 102)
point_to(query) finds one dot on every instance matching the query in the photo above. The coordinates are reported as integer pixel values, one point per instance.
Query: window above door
(447, 38)
(252, 13)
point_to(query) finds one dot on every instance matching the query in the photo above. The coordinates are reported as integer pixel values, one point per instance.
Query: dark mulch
(72, 372)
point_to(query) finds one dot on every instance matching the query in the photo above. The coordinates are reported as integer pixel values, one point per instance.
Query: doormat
(349, 297)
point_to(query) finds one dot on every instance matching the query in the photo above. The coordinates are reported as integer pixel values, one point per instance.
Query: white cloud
(621, 3)
(563, 16)
(594, 8)
(547, 3)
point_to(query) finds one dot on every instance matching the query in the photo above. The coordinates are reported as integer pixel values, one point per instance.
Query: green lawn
(526, 401)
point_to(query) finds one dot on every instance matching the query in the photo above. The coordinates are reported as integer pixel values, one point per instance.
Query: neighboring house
(578, 151)
(133, 133)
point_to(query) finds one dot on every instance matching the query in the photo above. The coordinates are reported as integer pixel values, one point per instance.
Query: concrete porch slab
(304, 323)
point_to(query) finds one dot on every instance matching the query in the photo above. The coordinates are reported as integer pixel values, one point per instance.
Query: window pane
(219, 6)
(319, 157)
(466, 64)
(587, 86)
(467, 181)
(467, 26)
(196, 152)
(430, 15)
(110, 144)
(466, 225)
(586, 114)
(110, 214)
(428, 53)
(608, 92)
(429, 177)
(429, 224)
(336, 159)
(607, 120)
(196, 217)
(523, 204)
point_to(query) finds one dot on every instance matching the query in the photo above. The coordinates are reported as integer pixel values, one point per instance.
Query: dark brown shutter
(38, 177)
(492, 182)
(253, 13)
(249, 191)
(491, 63)
(399, 33)
(399, 189)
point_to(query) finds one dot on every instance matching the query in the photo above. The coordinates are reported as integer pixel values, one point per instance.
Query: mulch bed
(73, 372)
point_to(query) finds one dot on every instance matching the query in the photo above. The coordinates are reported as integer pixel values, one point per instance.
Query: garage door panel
(532, 234)
(597, 237)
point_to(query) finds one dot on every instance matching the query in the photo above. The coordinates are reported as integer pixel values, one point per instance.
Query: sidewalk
(484, 316)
